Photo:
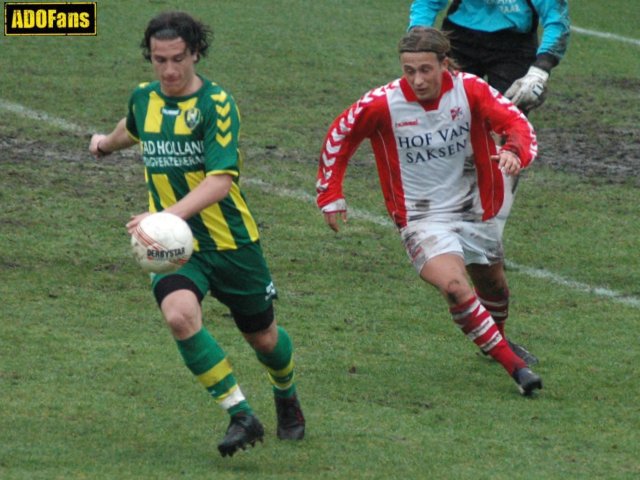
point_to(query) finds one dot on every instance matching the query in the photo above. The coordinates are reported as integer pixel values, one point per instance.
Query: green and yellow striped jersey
(184, 139)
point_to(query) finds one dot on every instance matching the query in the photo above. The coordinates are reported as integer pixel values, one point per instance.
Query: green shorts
(240, 279)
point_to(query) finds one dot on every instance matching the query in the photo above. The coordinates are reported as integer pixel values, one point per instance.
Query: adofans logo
(71, 18)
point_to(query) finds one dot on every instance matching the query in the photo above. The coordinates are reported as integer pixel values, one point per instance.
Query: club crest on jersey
(456, 112)
(192, 118)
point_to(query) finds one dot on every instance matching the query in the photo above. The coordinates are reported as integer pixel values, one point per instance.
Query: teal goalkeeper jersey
(184, 139)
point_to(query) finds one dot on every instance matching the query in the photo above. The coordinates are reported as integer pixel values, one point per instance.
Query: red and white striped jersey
(433, 158)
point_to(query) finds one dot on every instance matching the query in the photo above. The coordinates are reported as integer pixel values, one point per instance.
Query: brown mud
(609, 156)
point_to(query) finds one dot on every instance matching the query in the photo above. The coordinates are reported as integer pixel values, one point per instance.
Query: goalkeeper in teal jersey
(188, 127)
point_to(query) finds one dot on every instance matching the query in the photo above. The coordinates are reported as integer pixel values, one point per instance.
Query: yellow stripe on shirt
(247, 218)
(213, 218)
(164, 189)
(153, 120)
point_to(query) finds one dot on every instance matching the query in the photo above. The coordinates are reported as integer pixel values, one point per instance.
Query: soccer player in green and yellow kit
(188, 129)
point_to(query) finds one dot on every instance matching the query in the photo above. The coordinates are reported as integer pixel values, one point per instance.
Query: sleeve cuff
(337, 206)
(546, 62)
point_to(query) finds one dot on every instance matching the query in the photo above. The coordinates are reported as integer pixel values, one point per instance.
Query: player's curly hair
(171, 25)
(423, 39)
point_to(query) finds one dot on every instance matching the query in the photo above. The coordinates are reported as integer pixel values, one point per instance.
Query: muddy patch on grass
(609, 155)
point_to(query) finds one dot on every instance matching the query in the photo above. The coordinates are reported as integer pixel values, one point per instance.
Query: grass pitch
(91, 383)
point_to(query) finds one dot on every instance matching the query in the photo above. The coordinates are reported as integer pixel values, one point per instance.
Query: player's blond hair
(425, 39)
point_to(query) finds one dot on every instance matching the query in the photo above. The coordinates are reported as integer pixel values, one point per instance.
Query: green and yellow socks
(208, 362)
(279, 365)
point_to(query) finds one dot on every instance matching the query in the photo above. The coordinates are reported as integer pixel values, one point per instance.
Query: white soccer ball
(162, 243)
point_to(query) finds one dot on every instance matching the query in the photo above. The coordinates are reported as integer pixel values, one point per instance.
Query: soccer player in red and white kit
(441, 176)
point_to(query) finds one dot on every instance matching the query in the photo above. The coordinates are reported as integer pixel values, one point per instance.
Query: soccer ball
(162, 243)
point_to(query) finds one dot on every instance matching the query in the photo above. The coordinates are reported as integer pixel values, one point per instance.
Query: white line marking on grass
(607, 35)
(45, 117)
(582, 287)
(307, 197)
(302, 195)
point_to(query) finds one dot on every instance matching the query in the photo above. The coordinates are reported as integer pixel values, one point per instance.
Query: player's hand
(94, 145)
(508, 162)
(135, 220)
(331, 219)
(529, 91)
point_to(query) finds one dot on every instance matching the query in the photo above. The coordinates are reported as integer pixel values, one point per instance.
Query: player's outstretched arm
(211, 190)
(102, 145)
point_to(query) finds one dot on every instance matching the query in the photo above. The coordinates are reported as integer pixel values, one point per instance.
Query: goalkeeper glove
(529, 91)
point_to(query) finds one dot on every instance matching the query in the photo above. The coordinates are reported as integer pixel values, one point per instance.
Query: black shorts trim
(172, 283)
(254, 323)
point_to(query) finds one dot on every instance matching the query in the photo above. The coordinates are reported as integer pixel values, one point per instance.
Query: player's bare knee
(493, 286)
(182, 318)
(264, 341)
(456, 291)
(179, 322)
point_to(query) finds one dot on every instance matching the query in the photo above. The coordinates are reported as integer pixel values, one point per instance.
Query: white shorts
(475, 242)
